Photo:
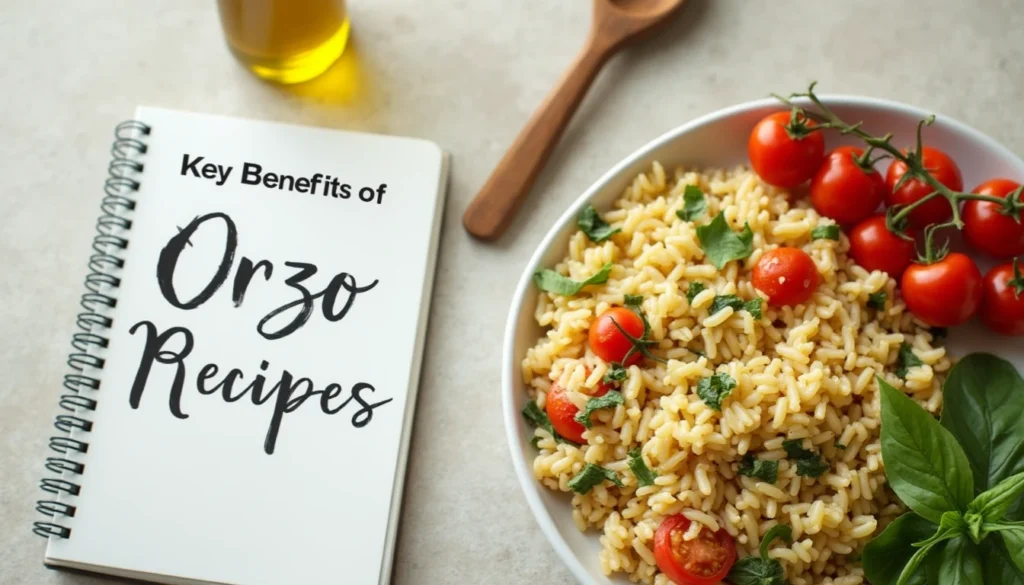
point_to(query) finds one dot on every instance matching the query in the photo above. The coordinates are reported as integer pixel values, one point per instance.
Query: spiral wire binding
(92, 325)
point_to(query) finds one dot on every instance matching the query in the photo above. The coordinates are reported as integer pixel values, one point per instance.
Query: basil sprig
(721, 244)
(694, 204)
(963, 479)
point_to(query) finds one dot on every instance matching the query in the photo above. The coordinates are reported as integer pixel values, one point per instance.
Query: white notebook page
(200, 498)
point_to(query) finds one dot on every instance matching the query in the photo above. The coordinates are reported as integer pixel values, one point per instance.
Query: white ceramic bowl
(716, 140)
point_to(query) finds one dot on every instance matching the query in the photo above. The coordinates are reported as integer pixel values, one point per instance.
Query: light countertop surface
(465, 74)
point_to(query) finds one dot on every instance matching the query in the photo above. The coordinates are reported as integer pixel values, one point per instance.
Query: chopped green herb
(762, 570)
(535, 442)
(616, 373)
(538, 418)
(609, 400)
(714, 389)
(808, 463)
(753, 307)
(694, 204)
(644, 475)
(907, 359)
(553, 282)
(876, 300)
(825, 232)
(596, 228)
(721, 244)
(633, 300)
(695, 289)
(762, 469)
(590, 476)
(722, 301)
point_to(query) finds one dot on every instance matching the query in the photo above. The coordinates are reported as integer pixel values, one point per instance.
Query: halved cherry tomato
(705, 560)
(874, 247)
(988, 230)
(843, 191)
(778, 158)
(562, 411)
(608, 343)
(943, 293)
(787, 275)
(945, 171)
(1002, 305)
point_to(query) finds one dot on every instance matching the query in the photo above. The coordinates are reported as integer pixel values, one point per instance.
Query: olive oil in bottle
(287, 41)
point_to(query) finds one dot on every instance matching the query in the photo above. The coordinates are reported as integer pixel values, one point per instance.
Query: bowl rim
(511, 380)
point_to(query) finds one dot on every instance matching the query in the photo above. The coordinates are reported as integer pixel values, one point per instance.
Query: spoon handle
(491, 211)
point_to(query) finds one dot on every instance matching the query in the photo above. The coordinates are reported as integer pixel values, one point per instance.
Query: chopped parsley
(721, 244)
(714, 389)
(825, 232)
(616, 373)
(907, 359)
(633, 300)
(762, 469)
(596, 228)
(762, 570)
(644, 475)
(808, 462)
(694, 204)
(722, 301)
(695, 289)
(538, 418)
(550, 281)
(590, 476)
(609, 400)
(876, 300)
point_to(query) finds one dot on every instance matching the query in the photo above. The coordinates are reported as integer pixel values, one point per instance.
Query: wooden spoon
(616, 24)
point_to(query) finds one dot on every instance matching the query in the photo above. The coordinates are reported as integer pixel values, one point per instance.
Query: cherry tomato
(989, 231)
(843, 191)
(944, 293)
(780, 159)
(705, 560)
(787, 275)
(562, 411)
(608, 343)
(1002, 305)
(874, 247)
(945, 171)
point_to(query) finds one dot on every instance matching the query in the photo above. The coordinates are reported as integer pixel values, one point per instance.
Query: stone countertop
(465, 74)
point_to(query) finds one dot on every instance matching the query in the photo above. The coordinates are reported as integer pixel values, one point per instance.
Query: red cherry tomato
(608, 343)
(787, 275)
(705, 560)
(778, 158)
(562, 411)
(1002, 305)
(874, 247)
(843, 191)
(945, 171)
(989, 231)
(944, 293)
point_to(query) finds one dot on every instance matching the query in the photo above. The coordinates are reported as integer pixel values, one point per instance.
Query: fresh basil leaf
(596, 228)
(885, 556)
(721, 244)
(590, 476)
(538, 418)
(753, 307)
(644, 475)
(951, 525)
(714, 389)
(825, 232)
(1014, 539)
(616, 373)
(755, 571)
(783, 531)
(910, 570)
(633, 300)
(695, 289)
(998, 564)
(808, 463)
(961, 563)
(993, 504)
(553, 282)
(609, 400)
(762, 469)
(924, 465)
(876, 300)
(983, 408)
(907, 359)
(694, 204)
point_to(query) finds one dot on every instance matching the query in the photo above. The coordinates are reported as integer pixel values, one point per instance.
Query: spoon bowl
(616, 23)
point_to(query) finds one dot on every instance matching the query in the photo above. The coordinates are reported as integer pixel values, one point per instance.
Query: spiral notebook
(245, 366)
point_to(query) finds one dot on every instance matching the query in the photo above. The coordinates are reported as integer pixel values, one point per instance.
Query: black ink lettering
(346, 189)
(153, 351)
(251, 173)
(302, 185)
(188, 166)
(380, 192)
(244, 275)
(284, 393)
(270, 180)
(332, 390)
(208, 371)
(348, 282)
(286, 178)
(172, 251)
(305, 271)
(368, 194)
(362, 417)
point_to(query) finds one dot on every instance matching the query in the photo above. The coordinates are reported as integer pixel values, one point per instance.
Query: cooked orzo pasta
(805, 372)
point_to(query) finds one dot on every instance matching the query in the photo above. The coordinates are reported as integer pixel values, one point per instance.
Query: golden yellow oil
(287, 41)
